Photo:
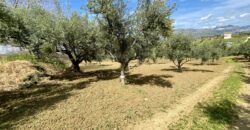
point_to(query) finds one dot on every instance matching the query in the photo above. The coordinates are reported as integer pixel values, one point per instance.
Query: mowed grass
(219, 111)
(96, 100)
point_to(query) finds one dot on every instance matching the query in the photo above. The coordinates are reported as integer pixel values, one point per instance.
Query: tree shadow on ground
(106, 74)
(246, 79)
(139, 79)
(25, 102)
(185, 69)
(222, 112)
(227, 112)
(240, 59)
(242, 123)
(199, 64)
(246, 98)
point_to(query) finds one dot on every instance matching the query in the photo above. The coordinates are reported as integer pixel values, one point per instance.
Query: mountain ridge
(218, 30)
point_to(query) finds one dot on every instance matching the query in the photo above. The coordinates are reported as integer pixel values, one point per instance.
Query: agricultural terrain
(95, 99)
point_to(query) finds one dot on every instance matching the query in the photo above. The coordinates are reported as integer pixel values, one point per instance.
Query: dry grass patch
(15, 74)
(96, 100)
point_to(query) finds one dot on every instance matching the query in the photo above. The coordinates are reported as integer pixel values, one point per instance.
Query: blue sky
(198, 13)
(211, 13)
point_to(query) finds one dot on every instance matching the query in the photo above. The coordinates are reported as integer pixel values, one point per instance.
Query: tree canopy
(179, 50)
(129, 35)
(113, 29)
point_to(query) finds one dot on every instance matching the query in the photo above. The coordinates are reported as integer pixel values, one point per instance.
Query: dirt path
(161, 121)
(243, 105)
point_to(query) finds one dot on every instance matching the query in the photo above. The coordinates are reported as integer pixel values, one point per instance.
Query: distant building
(227, 35)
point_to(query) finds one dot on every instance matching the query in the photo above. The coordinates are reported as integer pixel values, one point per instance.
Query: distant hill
(219, 30)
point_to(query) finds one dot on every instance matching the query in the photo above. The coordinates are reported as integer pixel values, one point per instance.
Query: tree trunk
(179, 66)
(122, 76)
(75, 62)
(154, 60)
(213, 60)
(75, 66)
(203, 61)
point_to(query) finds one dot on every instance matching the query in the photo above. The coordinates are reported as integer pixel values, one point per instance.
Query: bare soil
(161, 121)
(96, 100)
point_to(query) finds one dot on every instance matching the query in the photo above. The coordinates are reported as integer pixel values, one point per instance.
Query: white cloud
(230, 10)
(205, 27)
(232, 17)
(208, 27)
(224, 19)
(206, 17)
(244, 15)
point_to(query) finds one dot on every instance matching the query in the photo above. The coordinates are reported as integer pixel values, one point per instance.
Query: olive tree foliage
(179, 50)
(39, 22)
(27, 27)
(209, 49)
(201, 52)
(26, 3)
(12, 28)
(244, 49)
(77, 37)
(129, 36)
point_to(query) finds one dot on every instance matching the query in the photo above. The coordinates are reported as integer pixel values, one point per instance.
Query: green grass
(20, 56)
(217, 113)
(55, 62)
(28, 57)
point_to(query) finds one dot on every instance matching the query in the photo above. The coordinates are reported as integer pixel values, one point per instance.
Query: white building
(227, 35)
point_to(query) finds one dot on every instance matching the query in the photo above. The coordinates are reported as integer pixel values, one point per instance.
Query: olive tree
(131, 34)
(209, 49)
(77, 37)
(244, 49)
(49, 32)
(179, 50)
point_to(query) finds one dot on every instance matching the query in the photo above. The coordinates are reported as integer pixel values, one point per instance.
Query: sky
(6, 49)
(197, 13)
(211, 13)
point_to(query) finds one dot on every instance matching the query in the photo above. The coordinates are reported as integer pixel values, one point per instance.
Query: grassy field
(96, 100)
(219, 112)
